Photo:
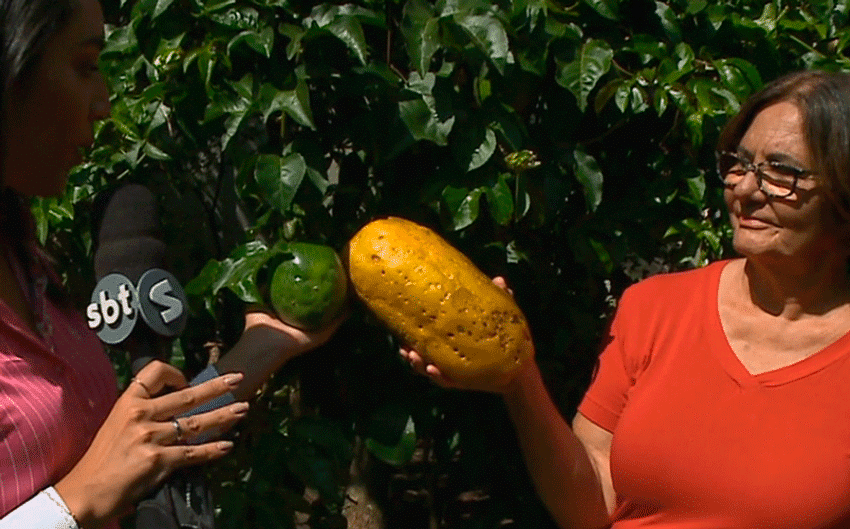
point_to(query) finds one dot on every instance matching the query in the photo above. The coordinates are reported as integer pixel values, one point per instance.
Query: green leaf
(343, 23)
(696, 190)
(421, 115)
(236, 273)
(606, 8)
(604, 95)
(488, 35)
(161, 6)
(602, 255)
(474, 147)
(589, 175)
(769, 17)
(500, 200)
(581, 75)
(669, 21)
(119, 40)
(237, 106)
(686, 58)
(206, 278)
(231, 126)
(694, 123)
(639, 99)
(213, 6)
(349, 30)
(649, 46)
(156, 153)
(401, 452)
(280, 178)
(660, 100)
(421, 33)
(243, 18)
(623, 94)
(295, 102)
(154, 8)
(260, 41)
(738, 75)
(695, 6)
(463, 205)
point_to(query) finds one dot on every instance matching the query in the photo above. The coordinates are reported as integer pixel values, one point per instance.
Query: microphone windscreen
(128, 233)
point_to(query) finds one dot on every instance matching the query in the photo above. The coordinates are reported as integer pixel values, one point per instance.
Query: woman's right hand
(139, 444)
(419, 364)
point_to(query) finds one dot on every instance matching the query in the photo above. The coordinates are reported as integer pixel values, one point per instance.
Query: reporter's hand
(266, 330)
(139, 444)
(265, 345)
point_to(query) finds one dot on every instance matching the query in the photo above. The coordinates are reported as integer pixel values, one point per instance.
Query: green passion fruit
(309, 286)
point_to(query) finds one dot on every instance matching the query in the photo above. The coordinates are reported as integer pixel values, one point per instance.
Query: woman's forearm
(556, 459)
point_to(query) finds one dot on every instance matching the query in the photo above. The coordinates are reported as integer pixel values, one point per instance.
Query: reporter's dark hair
(823, 99)
(25, 28)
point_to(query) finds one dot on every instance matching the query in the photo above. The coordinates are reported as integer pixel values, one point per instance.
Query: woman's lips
(753, 223)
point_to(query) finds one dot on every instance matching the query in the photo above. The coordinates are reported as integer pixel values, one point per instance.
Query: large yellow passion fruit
(434, 298)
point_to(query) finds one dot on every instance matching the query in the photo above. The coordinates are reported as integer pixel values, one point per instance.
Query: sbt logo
(116, 305)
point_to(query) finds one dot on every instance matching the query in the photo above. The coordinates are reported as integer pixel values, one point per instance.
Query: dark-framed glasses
(775, 179)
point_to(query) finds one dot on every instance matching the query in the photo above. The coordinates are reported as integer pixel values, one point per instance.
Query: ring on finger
(178, 429)
(144, 386)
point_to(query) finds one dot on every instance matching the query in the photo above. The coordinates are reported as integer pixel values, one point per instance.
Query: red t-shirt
(698, 441)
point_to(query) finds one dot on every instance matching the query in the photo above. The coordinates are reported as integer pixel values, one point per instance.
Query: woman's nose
(100, 107)
(748, 185)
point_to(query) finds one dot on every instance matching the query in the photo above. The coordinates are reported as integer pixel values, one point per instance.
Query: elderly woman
(729, 408)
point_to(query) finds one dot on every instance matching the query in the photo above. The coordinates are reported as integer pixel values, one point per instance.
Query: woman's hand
(427, 369)
(262, 327)
(140, 444)
(265, 345)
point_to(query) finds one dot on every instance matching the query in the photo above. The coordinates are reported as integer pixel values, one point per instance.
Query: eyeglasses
(775, 179)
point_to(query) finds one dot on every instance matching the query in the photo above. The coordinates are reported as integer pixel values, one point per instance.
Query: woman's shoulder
(677, 286)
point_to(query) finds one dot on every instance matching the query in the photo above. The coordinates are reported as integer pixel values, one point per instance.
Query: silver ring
(178, 429)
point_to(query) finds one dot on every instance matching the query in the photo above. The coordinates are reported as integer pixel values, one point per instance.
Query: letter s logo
(161, 294)
(163, 302)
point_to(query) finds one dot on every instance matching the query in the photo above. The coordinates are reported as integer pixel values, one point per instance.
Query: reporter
(71, 450)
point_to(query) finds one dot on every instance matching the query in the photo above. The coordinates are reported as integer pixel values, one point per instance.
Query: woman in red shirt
(728, 407)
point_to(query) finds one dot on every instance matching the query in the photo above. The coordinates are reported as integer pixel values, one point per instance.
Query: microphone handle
(144, 346)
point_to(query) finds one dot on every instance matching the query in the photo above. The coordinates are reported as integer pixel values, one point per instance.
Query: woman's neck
(794, 292)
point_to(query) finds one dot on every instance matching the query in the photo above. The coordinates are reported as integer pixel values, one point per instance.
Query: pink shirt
(55, 391)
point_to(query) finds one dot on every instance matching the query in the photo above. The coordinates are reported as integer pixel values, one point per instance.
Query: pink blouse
(56, 389)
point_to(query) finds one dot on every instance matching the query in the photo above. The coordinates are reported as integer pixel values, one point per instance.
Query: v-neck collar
(783, 375)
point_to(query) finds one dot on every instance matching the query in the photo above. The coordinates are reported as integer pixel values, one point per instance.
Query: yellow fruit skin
(433, 297)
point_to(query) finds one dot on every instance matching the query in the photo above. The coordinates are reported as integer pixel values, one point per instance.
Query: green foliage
(261, 121)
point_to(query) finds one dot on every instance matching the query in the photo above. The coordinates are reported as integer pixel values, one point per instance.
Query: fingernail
(224, 446)
(239, 408)
(233, 379)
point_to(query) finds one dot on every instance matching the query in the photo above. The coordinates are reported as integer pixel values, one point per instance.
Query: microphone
(129, 264)
(133, 284)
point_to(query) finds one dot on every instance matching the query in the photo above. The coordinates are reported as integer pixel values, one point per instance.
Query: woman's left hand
(266, 344)
(262, 326)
